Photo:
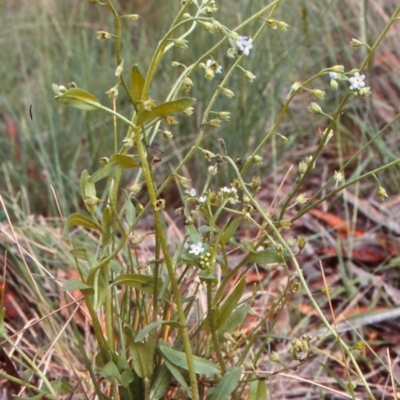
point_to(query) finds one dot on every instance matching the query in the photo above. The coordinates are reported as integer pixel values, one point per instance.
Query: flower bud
(334, 84)
(381, 192)
(168, 135)
(249, 76)
(318, 93)
(209, 27)
(135, 189)
(356, 43)
(224, 115)
(256, 183)
(187, 84)
(228, 93)
(181, 43)
(207, 154)
(337, 68)
(133, 17)
(170, 120)
(188, 111)
(301, 198)
(212, 170)
(216, 122)
(149, 104)
(127, 143)
(119, 69)
(301, 242)
(315, 108)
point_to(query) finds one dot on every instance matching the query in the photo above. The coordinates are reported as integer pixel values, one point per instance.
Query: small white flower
(244, 44)
(192, 192)
(357, 81)
(196, 249)
(333, 75)
(210, 63)
(202, 199)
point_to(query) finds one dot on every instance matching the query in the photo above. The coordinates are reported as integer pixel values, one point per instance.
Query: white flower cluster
(201, 199)
(196, 249)
(230, 193)
(357, 81)
(228, 190)
(244, 44)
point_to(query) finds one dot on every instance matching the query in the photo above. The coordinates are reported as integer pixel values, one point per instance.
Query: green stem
(160, 234)
(299, 273)
(344, 186)
(210, 318)
(300, 213)
(337, 114)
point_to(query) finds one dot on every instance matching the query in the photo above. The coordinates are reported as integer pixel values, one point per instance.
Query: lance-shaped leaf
(227, 385)
(75, 284)
(178, 376)
(137, 83)
(79, 220)
(145, 331)
(225, 311)
(165, 109)
(117, 162)
(267, 256)
(78, 98)
(230, 230)
(140, 282)
(258, 390)
(178, 358)
(142, 359)
(161, 383)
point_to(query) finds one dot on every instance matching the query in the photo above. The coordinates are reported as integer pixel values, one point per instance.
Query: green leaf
(236, 320)
(267, 256)
(165, 109)
(116, 163)
(80, 253)
(227, 385)
(130, 211)
(88, 189)
(62, 386)
(230, 230)
(140, 282)
(258, 390)
(248, 245)
(178, 376)
(161, 383)
(75, 284)
(142, 359)
(230, 303)
(141, 335)
(110, 370)
(106, 237)
(79, 220)
(178, 358)
(195, 237)
(137, 83)
(127, 377)
(78, 98)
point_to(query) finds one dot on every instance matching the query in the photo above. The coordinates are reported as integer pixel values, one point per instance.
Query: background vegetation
(44, 147)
